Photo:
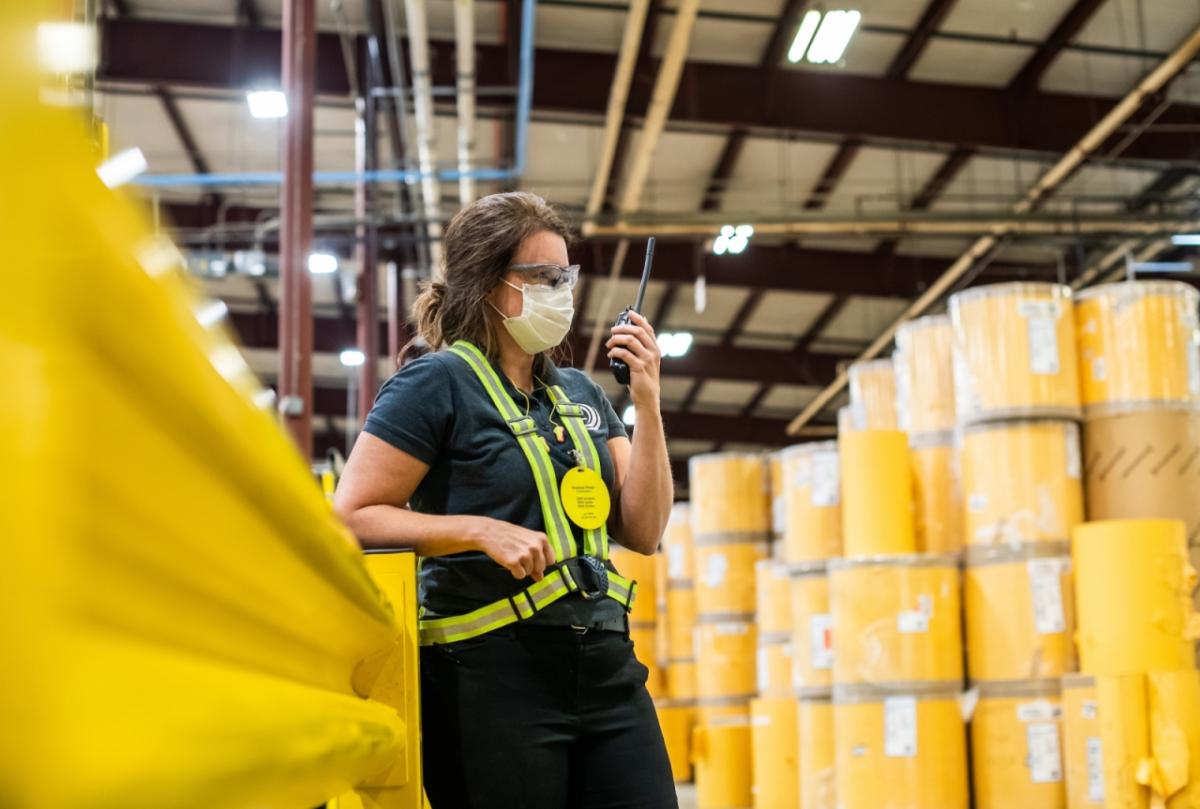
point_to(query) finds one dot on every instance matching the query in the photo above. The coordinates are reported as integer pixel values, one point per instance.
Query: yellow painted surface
(680, 620)
(817, 766)
(937, 497)
(1136, 344)
(730, 494)
(1125, 738)
(1083, 752)
(896, 621)
(1014, 352)
(1022, 481)
(725, 660)
(812, 634)
(681, 680)
(925, 376)
(677, 723)
(774, 739)
(185, 621)
(773, 611)
(873, 395)
(1133, 590)
(903, 753)
(1016, 752)
(812, 502)
(877, 494)
(1010, 633)
(640, 568)
(1174, 702)
(724, 583)
(721, 751)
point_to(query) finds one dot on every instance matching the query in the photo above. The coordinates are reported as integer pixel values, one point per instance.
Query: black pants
(531, 717)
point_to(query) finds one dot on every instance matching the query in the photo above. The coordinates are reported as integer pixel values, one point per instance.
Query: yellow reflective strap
(595, 540)
(558, 531)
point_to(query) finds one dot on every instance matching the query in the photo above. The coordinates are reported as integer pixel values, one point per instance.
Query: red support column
(296, 226)
(368, 252)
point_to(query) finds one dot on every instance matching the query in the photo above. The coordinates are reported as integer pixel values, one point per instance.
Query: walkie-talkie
(619, 368)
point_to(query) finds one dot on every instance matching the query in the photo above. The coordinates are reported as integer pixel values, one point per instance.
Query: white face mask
(545, 317)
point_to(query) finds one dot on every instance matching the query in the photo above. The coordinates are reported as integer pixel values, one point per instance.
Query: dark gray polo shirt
(436, 410)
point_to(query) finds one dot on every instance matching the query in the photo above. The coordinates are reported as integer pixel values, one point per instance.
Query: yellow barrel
(680, 619)
(642, 569)
(925, 376)
(1022, 481)
(775, 667)
(1106, 739)
(724, 584)
(812, 515)
(774, 739)
(1016, 746)
(1139, 343)
(680, 677)
(775, 478)
(677, 544)
(721, 752)
(937, 494)
(725, 661)
(1083, 759)
(873, 394)
(773, 610)
(877, 494)
(814, 720)
(898, 750)
(676, 721)
(896, 619)
(1133, 591)
(1019, 607)
(1175, 738)
(1141, 464)
(730, 496)
(1014, 352)
(849, 419)
(812, 624)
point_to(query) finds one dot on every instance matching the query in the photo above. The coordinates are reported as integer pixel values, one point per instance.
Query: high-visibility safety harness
(585, 573)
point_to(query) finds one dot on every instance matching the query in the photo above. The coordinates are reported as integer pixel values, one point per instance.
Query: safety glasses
(550, 275)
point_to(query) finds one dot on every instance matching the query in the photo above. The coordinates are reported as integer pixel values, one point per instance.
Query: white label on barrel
(1095, 770)
(1074, 457)
(675, 562)
(1045, 757)
(1088, 710)
(910, 621)
(977, 501)
(1041, 320)
(777, 514)
(1045, 585)
(820, 640)
(1038, 711)
(1099, 369)
(900, 727)
(825, 479)
(714, 573)
(763, 675)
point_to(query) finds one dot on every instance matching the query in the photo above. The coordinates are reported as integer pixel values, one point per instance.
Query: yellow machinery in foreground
(185, 622)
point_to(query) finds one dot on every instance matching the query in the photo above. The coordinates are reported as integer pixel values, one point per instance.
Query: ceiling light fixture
(1162, 266)
(1186, 239)
(674, 344)
(629, 416)
(823, 38)
(267, 103)
(732, 240)
(352, 357)
(322, 263)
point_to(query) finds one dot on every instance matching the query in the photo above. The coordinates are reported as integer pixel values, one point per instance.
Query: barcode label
(1041, 321)
(1045, 757)
(825, 479)
(912, 621)
(900, 727)
(1095, 770)
(820, 641)
(1088, 711)
(1045, 585)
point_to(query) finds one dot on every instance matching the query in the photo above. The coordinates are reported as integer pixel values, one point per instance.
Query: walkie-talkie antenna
(637, 307)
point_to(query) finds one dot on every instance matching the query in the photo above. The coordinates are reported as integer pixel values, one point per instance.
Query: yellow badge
(585, 498)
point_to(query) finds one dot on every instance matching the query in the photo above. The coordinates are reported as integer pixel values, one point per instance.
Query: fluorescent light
(745, 231)
(67, 47)
(833, 36)
(674, 344)
(629, 416)
(122, 167)
(267, 103)
(700, 295)
(1186, 239)
(322, 263)
(732, 240)
(1162, 266)
(352, 357)
(804, 35)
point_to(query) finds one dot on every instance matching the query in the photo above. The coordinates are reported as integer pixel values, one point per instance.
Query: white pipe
(422, 84)
(665, 86)
(1096, 136)
(464, 50)
(618, 95)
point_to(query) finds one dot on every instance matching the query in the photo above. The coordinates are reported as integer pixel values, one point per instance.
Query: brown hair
(479, 244)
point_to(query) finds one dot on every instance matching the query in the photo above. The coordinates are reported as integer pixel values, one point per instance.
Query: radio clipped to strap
(586, 576)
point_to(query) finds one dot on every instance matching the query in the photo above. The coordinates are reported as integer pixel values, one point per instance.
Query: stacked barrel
(677, 712)
(643, 618)
(731, 526)
(1017, 402)
(1133, 714)
(812, 536)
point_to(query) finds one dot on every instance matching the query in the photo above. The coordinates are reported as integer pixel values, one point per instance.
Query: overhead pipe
(666, 84)
(464, 57)
(1092, 140)
(426, 130)
(481, 174)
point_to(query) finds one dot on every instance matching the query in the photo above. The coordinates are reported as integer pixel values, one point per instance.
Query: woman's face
(543, 247)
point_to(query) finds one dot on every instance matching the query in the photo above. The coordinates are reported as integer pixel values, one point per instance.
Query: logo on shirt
(591, 418)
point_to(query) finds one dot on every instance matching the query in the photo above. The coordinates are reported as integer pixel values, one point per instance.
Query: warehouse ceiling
(940, 109)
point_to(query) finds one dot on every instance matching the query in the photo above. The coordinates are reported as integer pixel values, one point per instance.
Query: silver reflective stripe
(496, 614)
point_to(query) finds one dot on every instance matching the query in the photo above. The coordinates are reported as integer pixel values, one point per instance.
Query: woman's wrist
(474, 532)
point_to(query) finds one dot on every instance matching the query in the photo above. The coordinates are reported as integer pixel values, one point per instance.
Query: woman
(514, 472)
